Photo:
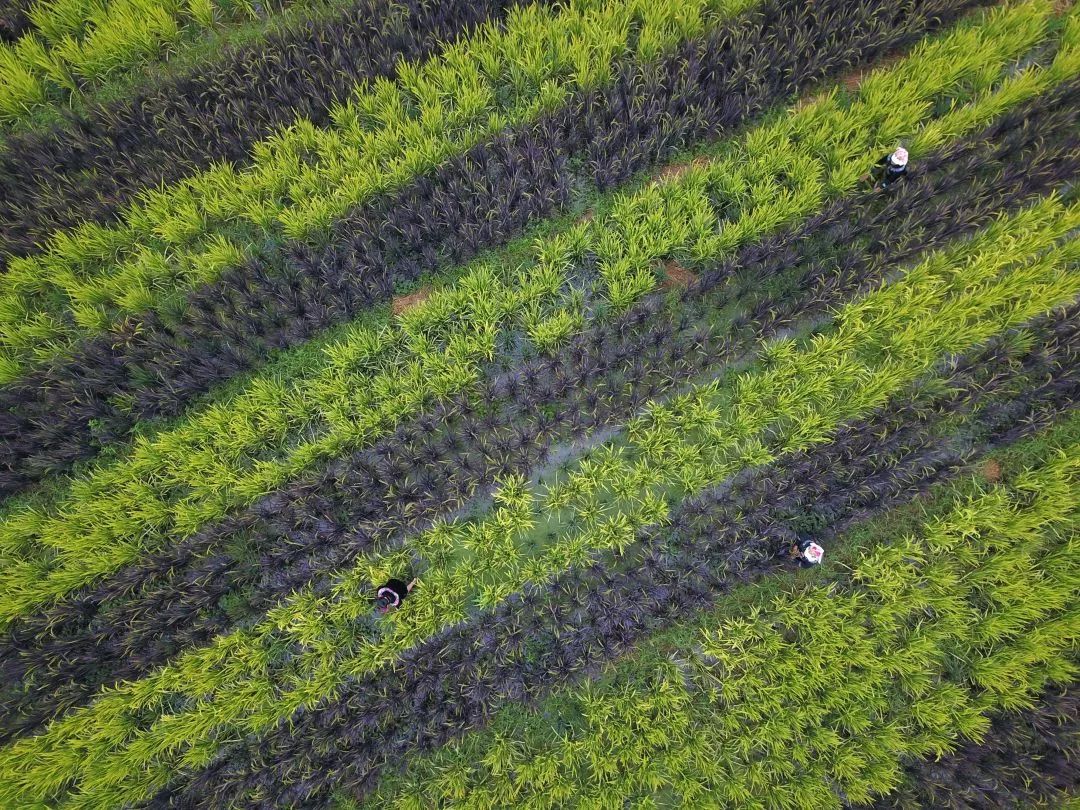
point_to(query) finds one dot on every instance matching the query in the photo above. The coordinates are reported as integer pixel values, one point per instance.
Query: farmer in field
(891, 169)
(392, 594)
(806, 552)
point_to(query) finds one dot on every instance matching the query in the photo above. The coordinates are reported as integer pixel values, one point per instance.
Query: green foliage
(83, 42)
(1012, 272)
(303, 178)
(233, 452)
(902, 657)
(816, 695)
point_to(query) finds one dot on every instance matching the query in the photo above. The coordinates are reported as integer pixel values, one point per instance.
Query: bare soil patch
(851, 80)
(991, 471)
(673, 171)
(400, 303)
(676, 276)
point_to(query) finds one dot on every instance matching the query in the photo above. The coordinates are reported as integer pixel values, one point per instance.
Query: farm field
(439, 404)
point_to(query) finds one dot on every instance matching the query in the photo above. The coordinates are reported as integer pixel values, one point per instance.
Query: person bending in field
(392, 594)
(892, 169)
(806, 552)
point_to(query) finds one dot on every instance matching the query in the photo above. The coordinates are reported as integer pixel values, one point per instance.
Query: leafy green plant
(304, 178)
(225, 456)
(815, 695)
(945, 304)
(903, 656)
(84, 41)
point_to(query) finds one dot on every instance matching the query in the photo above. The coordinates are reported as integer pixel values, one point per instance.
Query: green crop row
(233, 452)
(701, 438)
(249, 680)
(304, 178)
(370, 380)
(84, 41)
(815, 696)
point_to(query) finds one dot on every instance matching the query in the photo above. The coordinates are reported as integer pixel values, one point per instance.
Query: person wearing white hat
(893, 168)
(806, 552)
(392, 594)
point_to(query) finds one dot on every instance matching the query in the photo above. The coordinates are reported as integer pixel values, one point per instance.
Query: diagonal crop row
(232, 105)
(375, 379)
(417, 706)
(1007, 644)
(312, 528)
(305, 178)
(76, 44)
(428, 468)
(98, 396)
(280, 519)
(1027, 758)
(314, 642)
(35, 325)
(492, 551)
(88, 169)
(559, 766)
(260, 674)
(522, 650)
(224, 451)
(154, 367)
(218, 566)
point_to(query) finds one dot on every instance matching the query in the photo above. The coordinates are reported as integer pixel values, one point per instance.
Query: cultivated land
(581, 313)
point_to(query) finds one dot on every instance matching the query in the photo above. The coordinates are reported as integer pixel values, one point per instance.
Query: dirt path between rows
(400, 303)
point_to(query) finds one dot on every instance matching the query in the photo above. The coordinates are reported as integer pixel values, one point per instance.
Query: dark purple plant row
(367, 502)
(1029, 758)
(482, 198)
(546, 637)
(65, 410)
(13, 20)
(1030, 147)
(180, 596)
(1042, 383)
(96, 162)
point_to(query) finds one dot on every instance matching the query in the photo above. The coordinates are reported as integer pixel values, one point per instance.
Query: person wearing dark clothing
(806, 552)
(392, 594)
(892, 168)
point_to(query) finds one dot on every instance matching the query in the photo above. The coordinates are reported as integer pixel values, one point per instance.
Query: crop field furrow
(231, 454)
(1026, 759)
(522, 650)
(63, 411)
(74, 173)
(987, 201)
(530, 404)
(551, 764)
(307, 646)
(313, 529)
(307, 532)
